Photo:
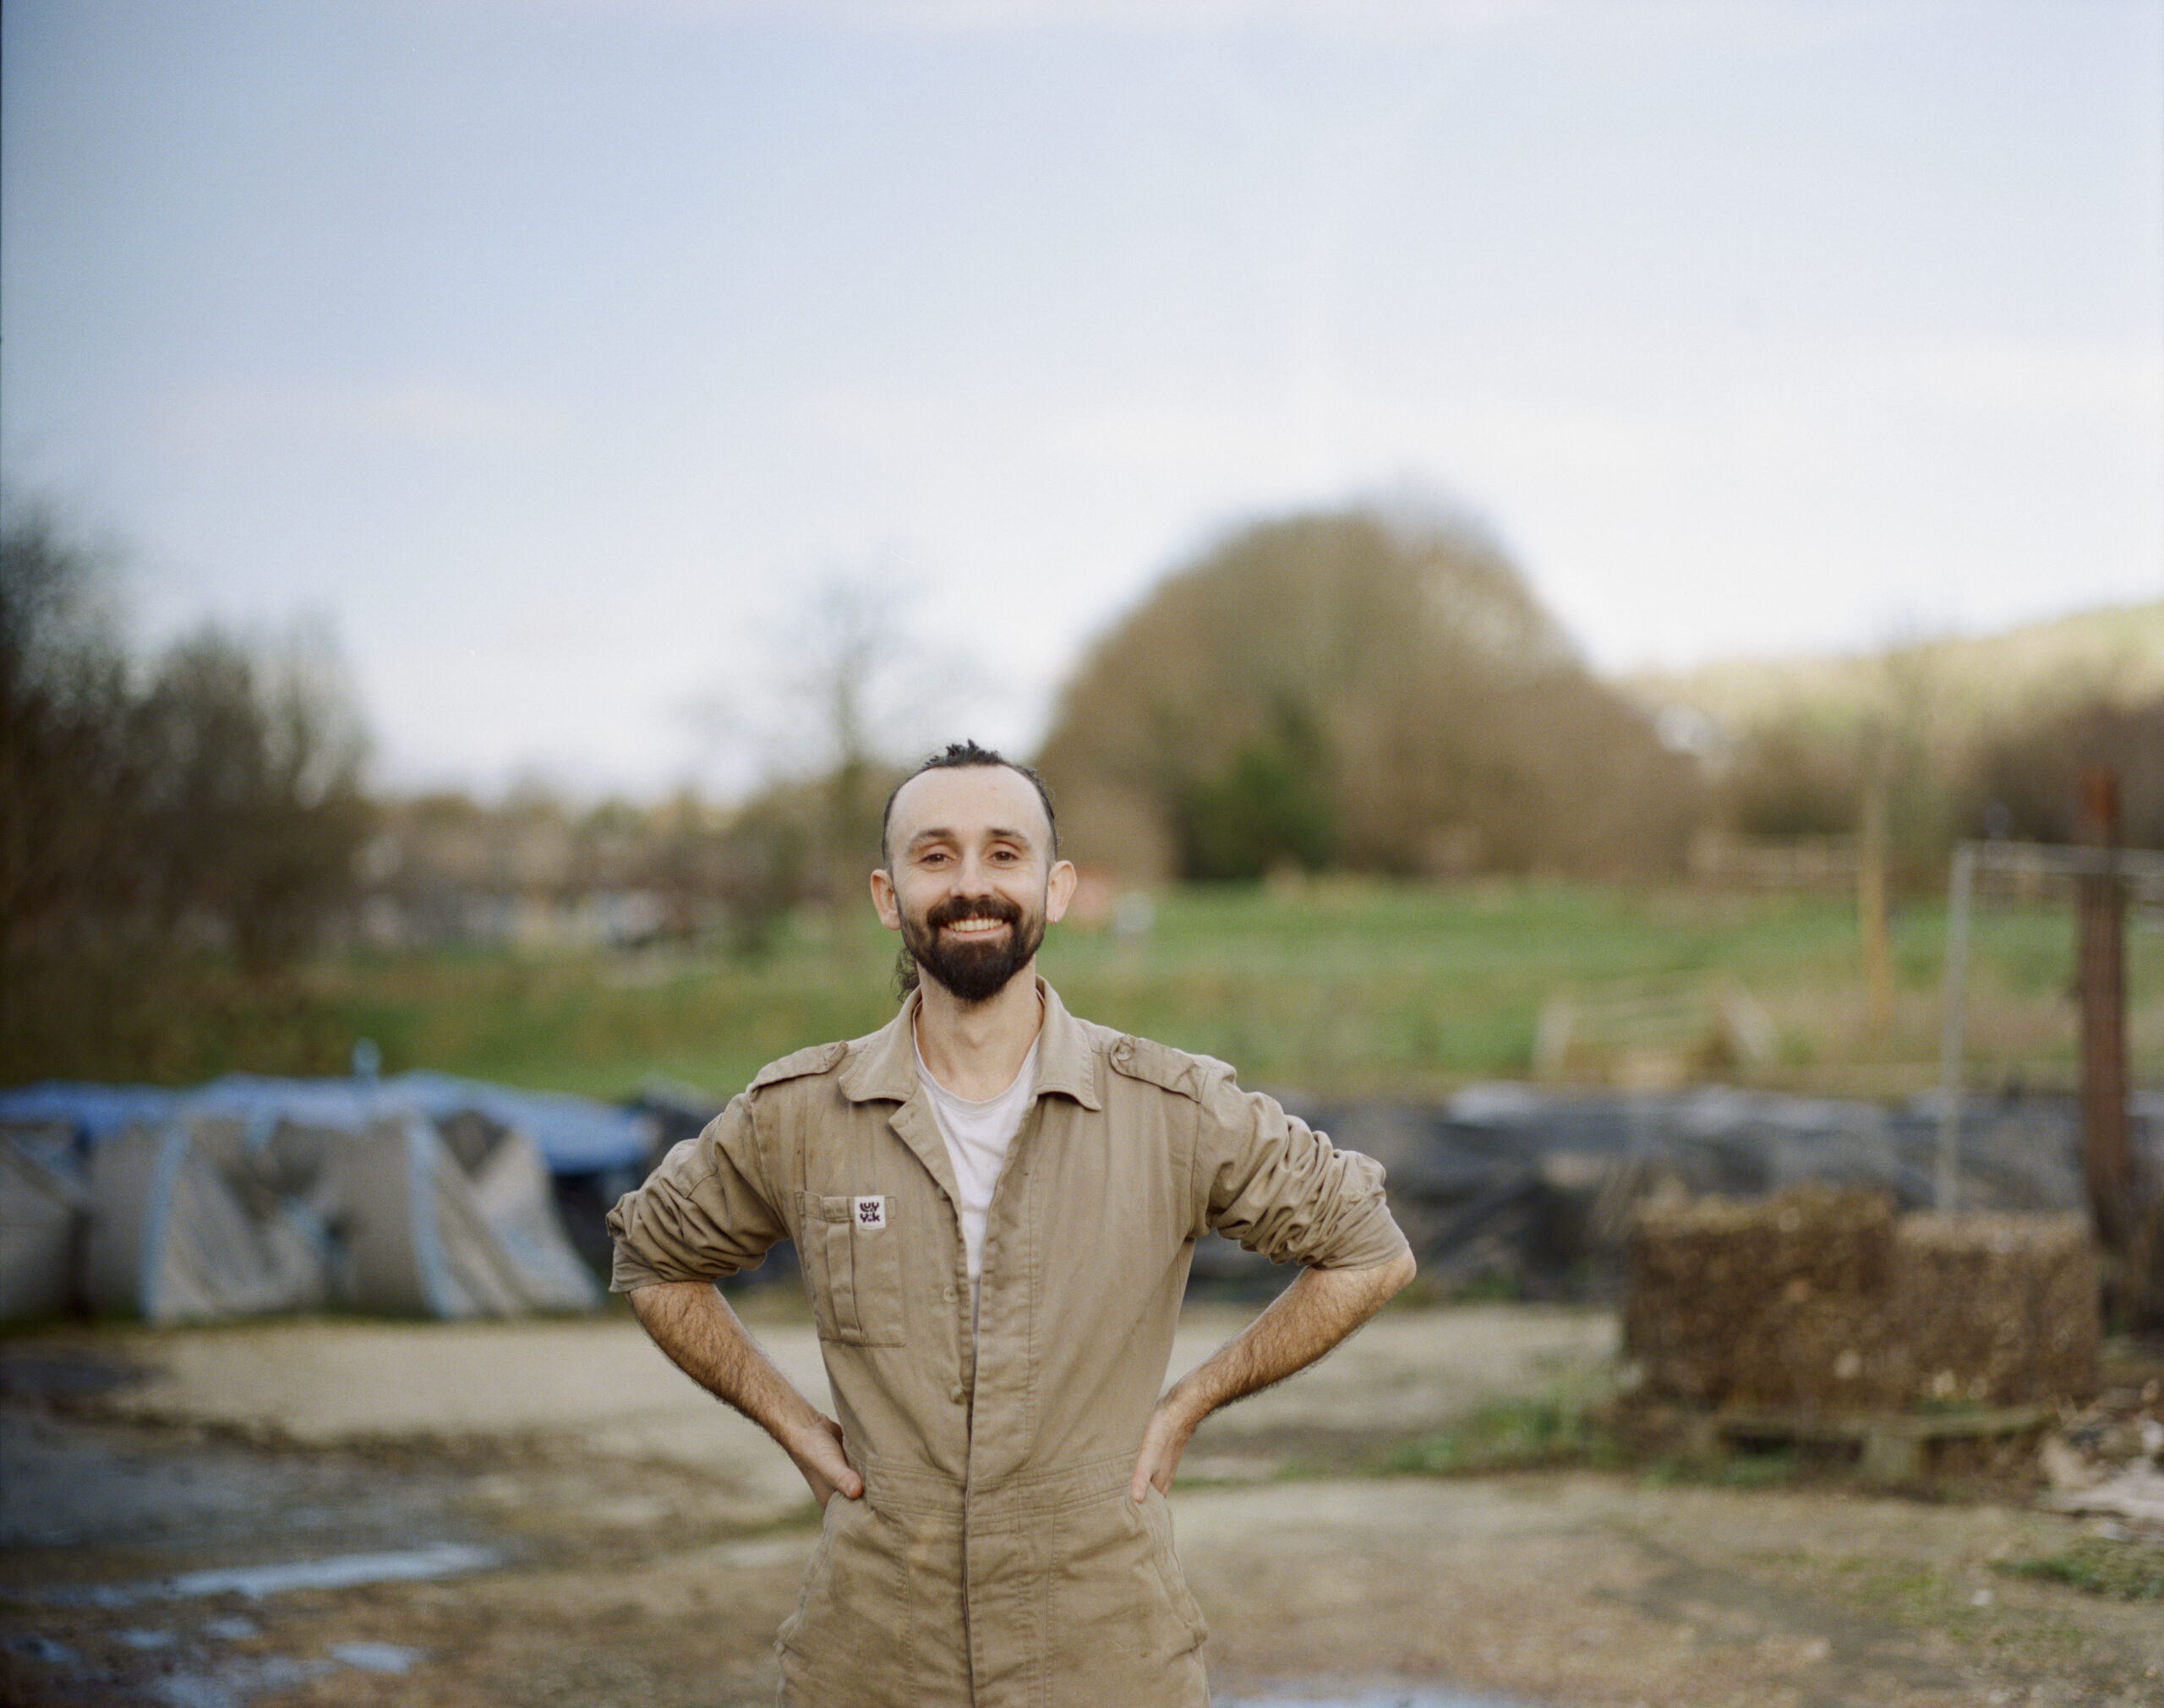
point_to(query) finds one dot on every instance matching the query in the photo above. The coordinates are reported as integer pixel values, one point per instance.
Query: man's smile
(975, 938)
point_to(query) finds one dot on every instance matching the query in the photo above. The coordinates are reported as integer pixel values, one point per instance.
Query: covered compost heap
(417, 1195)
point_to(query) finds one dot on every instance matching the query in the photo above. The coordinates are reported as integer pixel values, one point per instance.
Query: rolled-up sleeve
(1281, 1188)
(702, 1214)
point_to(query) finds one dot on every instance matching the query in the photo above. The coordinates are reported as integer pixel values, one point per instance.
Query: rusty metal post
(2108, 1163)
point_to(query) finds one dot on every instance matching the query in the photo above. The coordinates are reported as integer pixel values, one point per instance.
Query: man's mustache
(953, 913)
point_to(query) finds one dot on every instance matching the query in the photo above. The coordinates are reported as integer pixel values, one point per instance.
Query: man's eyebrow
(997, 834)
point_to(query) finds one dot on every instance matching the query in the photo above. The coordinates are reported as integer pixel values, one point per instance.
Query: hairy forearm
(1319, 1310)
(703, 1338)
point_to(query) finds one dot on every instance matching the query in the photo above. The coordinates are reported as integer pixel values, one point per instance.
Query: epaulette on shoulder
(1160, 1065)
(820, 1058)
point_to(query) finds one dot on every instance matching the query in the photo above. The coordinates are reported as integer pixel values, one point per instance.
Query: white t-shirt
(977, 1135)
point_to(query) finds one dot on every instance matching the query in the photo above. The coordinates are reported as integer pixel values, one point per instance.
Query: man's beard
(973, 971)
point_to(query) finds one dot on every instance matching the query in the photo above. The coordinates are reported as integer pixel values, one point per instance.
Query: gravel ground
(545, 1512)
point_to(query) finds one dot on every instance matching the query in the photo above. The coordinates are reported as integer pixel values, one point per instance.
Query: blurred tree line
(176, 833)
(1369, 689)
(1376, 690)
(1947, 743)
(1362, 689)
(536, 869)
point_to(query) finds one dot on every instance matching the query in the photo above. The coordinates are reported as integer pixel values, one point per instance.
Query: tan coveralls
(995, 1559)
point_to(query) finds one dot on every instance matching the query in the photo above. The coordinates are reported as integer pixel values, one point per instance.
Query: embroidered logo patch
(871, 1213)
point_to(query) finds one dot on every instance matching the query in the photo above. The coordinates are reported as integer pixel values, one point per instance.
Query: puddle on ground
(376, 1657)
(1296, 1695)
(72, 1486)
(338, 1572)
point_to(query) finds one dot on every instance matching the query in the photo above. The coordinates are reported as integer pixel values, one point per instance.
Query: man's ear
(882, 898)
(1059, 891)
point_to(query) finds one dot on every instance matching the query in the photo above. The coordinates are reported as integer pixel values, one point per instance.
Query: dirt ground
(455, 1515)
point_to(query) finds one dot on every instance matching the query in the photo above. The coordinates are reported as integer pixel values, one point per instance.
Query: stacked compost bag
(1820, 1300)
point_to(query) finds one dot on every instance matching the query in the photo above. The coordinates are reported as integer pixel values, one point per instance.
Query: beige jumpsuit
(995, 1559)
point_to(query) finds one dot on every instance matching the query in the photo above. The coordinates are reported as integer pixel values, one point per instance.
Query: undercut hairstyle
(958, 755)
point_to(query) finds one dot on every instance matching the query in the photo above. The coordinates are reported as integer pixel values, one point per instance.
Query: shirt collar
(883, 1067)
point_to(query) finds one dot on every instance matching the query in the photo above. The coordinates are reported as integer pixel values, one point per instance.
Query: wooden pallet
(1894, 1445)
(1650, 1032)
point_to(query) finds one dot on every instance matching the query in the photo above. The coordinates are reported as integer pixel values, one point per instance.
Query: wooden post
(1871, 906)
(1945, 1174)
(2108, 1163)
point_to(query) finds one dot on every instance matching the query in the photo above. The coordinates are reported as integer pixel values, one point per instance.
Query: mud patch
(646, 1543)
(83, 1503)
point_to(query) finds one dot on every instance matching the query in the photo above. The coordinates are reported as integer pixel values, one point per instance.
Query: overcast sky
(552, 352)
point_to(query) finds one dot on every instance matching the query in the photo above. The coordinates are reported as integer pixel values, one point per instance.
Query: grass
(2121, 1571)
(1518, 1433)
(2010, 1643)
(1730, 1468)
(1334, 987)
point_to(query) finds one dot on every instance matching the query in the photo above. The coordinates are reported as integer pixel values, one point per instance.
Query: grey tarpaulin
(253, 1196)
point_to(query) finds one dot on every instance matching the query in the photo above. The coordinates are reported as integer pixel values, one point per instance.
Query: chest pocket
(852, 1258)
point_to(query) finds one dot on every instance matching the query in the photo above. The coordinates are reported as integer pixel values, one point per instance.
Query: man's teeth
(976, 925)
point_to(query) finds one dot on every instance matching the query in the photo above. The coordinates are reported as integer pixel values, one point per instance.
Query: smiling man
(994, 1204)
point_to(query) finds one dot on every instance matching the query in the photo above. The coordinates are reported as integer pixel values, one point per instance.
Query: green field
(1334, 987)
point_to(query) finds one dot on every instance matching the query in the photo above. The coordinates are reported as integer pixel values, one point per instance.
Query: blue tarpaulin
(575, 1135)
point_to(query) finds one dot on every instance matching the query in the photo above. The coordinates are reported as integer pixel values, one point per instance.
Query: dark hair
(958, 755)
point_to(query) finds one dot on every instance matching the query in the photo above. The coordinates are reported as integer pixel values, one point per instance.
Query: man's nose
(973, 877)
